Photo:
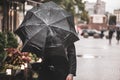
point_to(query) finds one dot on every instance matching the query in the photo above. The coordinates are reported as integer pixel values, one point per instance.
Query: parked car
(91, 32)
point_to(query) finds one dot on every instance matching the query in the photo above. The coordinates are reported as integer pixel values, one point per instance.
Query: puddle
(89, 56)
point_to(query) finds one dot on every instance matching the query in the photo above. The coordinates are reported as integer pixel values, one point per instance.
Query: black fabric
(71, 53)
(57, 67)
(111, 31)
(46, 25)
(54, 68)
(118, 33)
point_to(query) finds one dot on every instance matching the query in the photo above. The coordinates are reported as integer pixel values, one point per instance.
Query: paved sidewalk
(97, 60)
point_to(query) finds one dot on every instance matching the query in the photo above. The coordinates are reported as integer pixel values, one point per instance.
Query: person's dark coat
(58, 63)
(118, 33)
(111, 31)
(102, 34)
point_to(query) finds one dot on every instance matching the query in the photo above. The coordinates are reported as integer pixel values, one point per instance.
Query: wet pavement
(97, 60)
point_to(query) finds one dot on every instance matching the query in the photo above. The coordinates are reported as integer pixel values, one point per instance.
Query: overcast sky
(110, 4)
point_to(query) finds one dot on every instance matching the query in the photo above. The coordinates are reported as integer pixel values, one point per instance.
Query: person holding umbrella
(48, 31)
(57, 67)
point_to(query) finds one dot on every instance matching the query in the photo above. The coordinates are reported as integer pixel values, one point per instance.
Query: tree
(84, 16)
(69, 5)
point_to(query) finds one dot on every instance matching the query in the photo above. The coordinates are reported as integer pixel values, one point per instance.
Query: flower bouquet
(17, 60)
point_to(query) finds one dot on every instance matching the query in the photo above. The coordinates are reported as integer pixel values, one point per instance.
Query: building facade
(99, 7)
(95, 8)
(96, 12)
(89, 7)
(117, 14)
(98, 22)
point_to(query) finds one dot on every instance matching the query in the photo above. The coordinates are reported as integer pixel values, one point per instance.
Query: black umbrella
(44, 26)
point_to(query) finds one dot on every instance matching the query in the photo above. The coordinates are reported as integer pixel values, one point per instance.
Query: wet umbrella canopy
(47, 25)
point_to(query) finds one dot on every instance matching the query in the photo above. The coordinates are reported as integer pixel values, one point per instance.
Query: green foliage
(11, 40)
(2, 41)
(71, 5)
(84, 16)
(2, 56)
(2, 46)
(7, 40)
(80, 4)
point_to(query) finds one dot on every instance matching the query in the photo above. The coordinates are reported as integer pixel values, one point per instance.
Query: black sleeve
(71, 53)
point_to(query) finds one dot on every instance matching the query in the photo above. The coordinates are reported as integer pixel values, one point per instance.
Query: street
(97, 60)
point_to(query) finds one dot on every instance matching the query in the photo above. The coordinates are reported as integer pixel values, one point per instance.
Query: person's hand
(69, 77)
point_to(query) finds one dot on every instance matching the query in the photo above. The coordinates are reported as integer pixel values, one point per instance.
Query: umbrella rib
(32, 37)
(59, 20)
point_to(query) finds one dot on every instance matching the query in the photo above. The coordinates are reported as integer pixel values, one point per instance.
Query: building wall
(99, 7)
(117, 14)
(89, 7)
(98, 22)
(95, 8)
(97, 18)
